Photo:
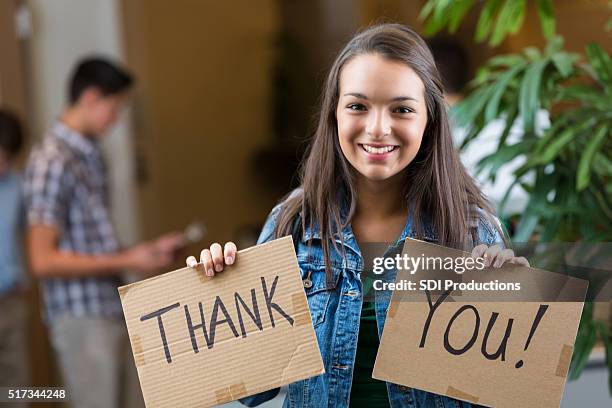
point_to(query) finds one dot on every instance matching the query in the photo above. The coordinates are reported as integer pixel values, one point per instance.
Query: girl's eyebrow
(396, 99)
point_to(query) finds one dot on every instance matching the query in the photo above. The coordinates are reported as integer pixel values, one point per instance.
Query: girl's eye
(356, 107)
(403, 109)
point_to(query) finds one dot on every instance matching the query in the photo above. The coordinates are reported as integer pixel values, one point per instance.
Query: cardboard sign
(492, 351)
(200, 341)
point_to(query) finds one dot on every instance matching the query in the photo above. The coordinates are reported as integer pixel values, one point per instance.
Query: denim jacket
(335, 312)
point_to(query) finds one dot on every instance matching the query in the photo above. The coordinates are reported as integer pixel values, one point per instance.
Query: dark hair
(98, 73)
(437, 186)
(452, 62)
(11, 133)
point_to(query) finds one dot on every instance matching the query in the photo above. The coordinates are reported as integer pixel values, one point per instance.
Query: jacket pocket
(317, 293)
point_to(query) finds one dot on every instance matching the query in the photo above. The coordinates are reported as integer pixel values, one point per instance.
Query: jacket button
(307, 283)
(403, 388)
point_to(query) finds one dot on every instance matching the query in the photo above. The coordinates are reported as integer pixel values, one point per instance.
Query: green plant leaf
(518, 15)
(606, 336)
(529, 94)
(551, 228)
(466, 111)
(504, 154)
(590, 97)
(553, 45)
(534, 210)
(525, 228)
(507, 18)
(549, 153)
(576, 121)
(499, 87)
(582, 93)
(508, 60)
(551, 150)
(601, 63)
(585, 341)
(532, 53)
(439, 17)
(602, 203)
(547, 17)
(427, 9)
(603, 164)
(588, 231)
(564, 63)
(506, 196)
(584, 168)
(512, 113)
(527, 187)
(460, 8)
(485, 21)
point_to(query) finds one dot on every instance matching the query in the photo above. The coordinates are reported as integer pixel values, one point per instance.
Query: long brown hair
(437, 186)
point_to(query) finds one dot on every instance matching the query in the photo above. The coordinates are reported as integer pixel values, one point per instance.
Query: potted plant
(567, 167)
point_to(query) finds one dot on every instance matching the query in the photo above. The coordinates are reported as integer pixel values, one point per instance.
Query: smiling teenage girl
(381, 168)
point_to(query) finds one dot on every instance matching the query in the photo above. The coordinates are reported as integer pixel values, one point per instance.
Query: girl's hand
(496, 257)
(214, 259)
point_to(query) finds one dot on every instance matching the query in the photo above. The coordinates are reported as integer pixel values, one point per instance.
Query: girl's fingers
(217, 256)
(520, 260)
(192, 262)
(206, 259)
(229, 252)
(479, 251)
(490, 255)
(503, 257)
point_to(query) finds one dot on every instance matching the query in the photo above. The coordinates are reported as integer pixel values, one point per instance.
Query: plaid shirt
(66, 187)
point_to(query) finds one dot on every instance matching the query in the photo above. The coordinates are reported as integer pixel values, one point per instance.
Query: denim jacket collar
(409, 231)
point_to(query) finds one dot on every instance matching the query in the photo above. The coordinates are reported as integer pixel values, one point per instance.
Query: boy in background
(72, 244)
(14, 364)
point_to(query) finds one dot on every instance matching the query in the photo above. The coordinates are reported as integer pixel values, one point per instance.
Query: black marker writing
(432, 309)
(270, 304)
(470, 343)
(162, 332)
(501, 351)
(536, 322)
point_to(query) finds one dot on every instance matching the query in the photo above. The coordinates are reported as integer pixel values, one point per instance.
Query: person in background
(14, 364)
(72, 244)
(453, 64)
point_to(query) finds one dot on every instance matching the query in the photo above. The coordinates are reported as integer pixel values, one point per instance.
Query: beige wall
(201, 110)
(12, 87)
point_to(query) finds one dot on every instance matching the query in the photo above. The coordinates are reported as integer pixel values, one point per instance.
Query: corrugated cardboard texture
(240, 359)
(451, 360)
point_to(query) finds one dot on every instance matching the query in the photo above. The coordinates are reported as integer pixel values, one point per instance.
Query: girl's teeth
(378, 150)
